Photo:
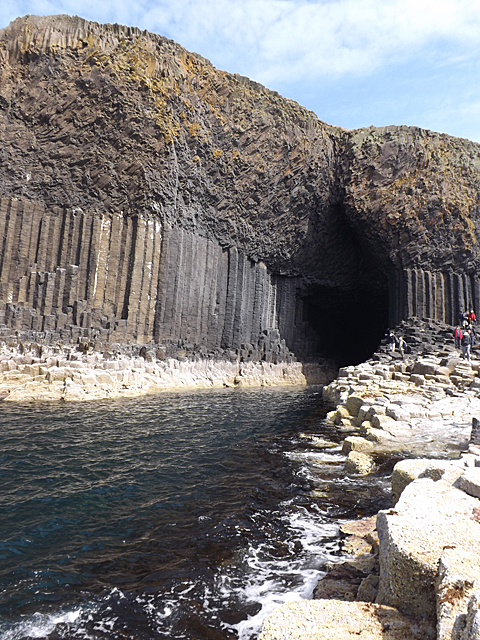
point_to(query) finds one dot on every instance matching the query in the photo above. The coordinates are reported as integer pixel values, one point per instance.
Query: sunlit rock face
(146, 195)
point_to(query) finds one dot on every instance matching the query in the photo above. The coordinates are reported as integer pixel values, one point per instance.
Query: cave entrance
(349, 323)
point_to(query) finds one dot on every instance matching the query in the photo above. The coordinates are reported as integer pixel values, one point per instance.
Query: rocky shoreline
(32, 371)
(412, 571)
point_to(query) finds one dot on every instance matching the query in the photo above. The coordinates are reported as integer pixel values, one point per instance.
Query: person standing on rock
(402, 345)
(458, 336)
(392, 341)
(472, 318)
(466, 345)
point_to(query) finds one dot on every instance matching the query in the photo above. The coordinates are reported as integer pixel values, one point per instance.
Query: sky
(355, 63)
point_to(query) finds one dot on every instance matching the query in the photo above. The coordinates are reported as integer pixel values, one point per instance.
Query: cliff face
(148, 194)
(413, 196)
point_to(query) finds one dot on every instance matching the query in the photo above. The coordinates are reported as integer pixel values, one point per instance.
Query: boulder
(353, 404)
(358, 462)
(382, 422)
(368, 589)
(338, 620)
(362, 527)
(417, 379)
(472, 623)
(414, 410)
(340, 413)
(400, 377)
(446, 371)
(397, 412)
(407, 471)
(377, 435)
(363, 414)
(375, 410)
(423, 367)
(355, 443)
(428, 517)
(457, 581)
(470, 481)
(450, 364)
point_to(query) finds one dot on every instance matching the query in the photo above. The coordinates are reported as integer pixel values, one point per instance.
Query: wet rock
(362, 527)
(358, 462)
(355, 443)
(340, 583)
(368, 589)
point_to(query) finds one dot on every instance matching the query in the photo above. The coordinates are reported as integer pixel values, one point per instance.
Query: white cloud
(284, 43)
(291, 38)
(287, 39)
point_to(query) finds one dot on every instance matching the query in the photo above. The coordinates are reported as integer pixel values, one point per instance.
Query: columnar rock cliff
(146, 195)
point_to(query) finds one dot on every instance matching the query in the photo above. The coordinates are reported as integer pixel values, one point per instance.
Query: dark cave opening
(349, 323)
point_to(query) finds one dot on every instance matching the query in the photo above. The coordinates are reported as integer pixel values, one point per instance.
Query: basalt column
(432, 294)
(127, 279)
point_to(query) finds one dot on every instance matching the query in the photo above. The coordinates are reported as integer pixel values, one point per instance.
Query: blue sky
(354, 63)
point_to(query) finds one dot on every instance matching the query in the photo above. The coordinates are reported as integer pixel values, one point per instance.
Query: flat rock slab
(361, 527)
(338, 620)
(470, 481)
(408, 470)
(458, 590)
(429, 517)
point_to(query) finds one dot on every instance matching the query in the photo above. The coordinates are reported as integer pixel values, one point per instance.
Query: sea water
(182, 515)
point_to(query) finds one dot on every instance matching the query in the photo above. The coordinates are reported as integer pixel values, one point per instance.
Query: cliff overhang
(147, 196)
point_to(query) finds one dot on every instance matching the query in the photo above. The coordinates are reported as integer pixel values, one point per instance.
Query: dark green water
(185, 515)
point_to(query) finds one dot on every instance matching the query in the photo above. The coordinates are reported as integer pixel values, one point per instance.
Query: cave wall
(147, 196)
(128, 279)
(432, 294)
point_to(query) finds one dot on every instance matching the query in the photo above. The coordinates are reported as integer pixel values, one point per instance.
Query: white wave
(271, 581)
(39, 625)
(314, 457)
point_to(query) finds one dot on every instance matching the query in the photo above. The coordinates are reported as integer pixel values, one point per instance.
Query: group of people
(464, 333)
(395, 342)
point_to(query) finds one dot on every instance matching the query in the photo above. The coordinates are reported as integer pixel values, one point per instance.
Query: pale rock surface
(353, 405)
(382, 421)
(377, 435)
(358, 462)
(457, 582)
(406, 471)
(397, 412)
(472, 625)
(428, 517)
(92, 377)
(368, 589)
(355, 443)
(339, 620)
(470, 481)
